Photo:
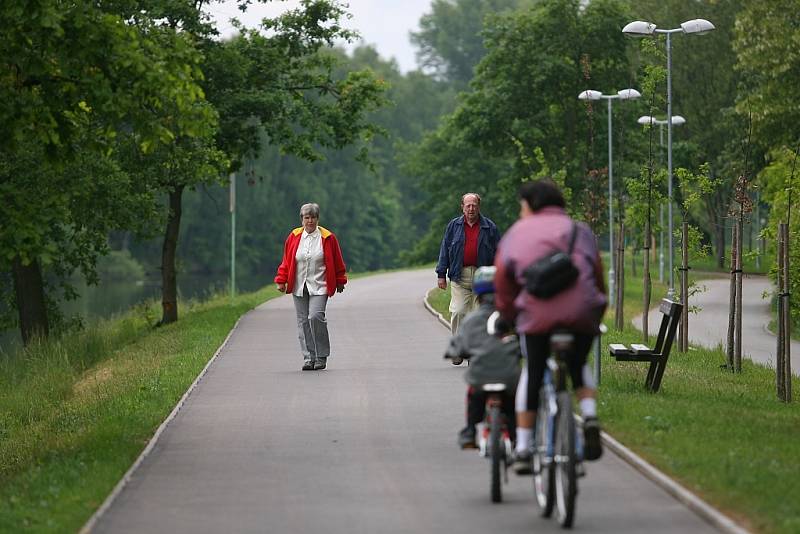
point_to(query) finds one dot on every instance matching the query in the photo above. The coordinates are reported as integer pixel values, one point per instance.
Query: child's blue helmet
(483, 281)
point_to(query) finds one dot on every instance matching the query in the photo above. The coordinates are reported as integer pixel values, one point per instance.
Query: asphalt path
(366, 446)
(709, 326)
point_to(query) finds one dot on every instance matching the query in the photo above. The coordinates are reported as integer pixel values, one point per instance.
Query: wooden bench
(658, 355)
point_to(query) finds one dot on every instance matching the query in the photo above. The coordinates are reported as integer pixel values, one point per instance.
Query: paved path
(709, 327)
(367, 446)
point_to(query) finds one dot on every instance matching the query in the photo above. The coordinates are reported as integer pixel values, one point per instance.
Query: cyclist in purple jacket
(543, 227)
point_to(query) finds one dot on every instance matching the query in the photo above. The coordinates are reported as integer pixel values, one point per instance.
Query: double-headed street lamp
(647, 120)
(624, 94)
(642, 28)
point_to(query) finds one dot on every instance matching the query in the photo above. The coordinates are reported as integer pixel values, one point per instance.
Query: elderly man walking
(470, 241)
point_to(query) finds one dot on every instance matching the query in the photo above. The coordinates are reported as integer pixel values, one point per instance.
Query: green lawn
(75, 413)
(724, 436)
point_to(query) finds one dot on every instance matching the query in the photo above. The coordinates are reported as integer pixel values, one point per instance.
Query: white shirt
(310, 265)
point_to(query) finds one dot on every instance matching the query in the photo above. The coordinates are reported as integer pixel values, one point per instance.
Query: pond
(117, 296)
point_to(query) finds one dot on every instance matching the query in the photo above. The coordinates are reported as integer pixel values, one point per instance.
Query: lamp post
(232, 207)
(624, 94)
(640, 28)
(649, 121)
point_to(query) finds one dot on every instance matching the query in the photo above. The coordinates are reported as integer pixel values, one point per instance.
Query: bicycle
(494, 440)
(558, 447)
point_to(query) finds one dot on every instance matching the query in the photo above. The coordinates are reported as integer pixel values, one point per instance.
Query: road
(366, 446)
(709, 327)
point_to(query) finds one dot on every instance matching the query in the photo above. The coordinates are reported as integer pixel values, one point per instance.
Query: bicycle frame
(558, 448)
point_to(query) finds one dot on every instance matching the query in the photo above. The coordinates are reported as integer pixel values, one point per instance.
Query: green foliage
(779, 182)
(766, 42)
(522, 102)
(694, 188)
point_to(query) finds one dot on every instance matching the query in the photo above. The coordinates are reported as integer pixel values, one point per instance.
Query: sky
(382, 23)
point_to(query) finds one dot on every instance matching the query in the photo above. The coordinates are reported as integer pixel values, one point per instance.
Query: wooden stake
(683, 342)
(732, 301)
(779, 354)
(737, 352)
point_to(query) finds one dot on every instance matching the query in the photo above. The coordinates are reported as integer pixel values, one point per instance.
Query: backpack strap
(572, 238)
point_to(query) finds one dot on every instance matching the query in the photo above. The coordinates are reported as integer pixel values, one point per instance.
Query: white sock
(524, 436)
(588, 408)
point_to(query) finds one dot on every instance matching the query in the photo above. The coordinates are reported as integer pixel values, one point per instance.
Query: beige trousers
(462, 299)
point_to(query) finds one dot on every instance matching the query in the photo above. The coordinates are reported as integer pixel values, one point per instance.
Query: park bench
(658, 355)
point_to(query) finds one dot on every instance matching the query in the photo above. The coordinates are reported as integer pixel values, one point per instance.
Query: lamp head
(590, 95)
(646, 119)
(677, 119)
(628, 94)
(639, 28)
(698, 26)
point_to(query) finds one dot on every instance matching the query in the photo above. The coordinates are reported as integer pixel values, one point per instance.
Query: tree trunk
(169, 288)
(29, 293)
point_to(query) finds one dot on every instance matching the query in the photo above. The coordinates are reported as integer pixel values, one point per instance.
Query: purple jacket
(579, 308)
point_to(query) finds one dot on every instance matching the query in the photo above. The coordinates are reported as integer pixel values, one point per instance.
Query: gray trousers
(312, 328)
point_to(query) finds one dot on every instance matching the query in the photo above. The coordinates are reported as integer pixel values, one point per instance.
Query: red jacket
(335, 270)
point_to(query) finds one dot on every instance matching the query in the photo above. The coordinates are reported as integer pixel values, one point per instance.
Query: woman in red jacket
(312, 270)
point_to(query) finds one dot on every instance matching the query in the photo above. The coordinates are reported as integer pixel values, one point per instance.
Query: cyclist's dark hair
(541, 193)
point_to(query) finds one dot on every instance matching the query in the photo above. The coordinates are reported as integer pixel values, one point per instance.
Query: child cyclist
(492, 359)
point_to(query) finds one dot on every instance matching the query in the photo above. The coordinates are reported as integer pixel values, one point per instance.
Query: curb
(435, 313)
(684, 496)
(92, 522)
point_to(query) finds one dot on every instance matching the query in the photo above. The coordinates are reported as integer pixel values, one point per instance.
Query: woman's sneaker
(592, 446)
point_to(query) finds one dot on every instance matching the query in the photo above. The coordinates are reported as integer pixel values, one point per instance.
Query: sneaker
(466, 438)
(523, 462)
(457, 361)
(320, 365)
(592, 446)
(308, 365)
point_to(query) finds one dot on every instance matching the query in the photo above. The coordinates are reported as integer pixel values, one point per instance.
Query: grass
(724, 436)
(76, 412)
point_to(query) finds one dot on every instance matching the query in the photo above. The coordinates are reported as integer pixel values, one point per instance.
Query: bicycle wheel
(543, 479)
(495, 452)
(566, 460)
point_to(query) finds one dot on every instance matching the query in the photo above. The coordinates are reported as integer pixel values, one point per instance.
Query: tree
(523, 99)
(78, 75)
(765, 42)
(449, 40)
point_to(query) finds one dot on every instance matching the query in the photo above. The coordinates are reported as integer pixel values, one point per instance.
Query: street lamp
(640, 28)
(647, 120)
(624, 94)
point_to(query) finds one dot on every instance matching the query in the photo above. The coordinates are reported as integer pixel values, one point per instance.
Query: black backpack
(552, 274)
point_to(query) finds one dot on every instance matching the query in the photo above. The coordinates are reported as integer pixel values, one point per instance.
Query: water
(113, 297)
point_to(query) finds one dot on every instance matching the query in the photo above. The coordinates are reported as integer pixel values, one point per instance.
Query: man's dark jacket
(451, 252)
